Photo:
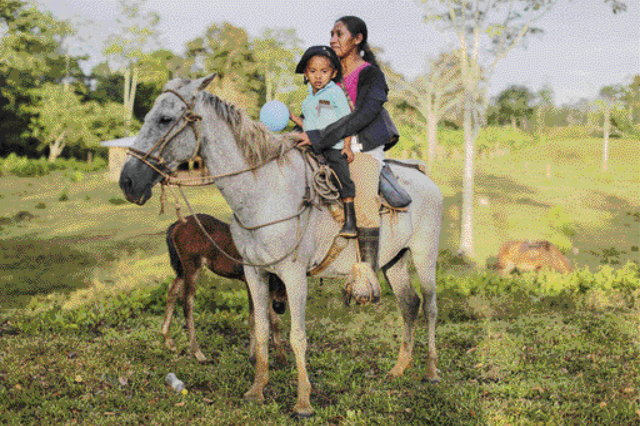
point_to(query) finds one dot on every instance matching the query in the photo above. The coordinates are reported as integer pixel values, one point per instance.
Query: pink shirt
(351, 82)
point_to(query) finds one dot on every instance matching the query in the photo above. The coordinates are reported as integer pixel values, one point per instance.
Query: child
(325, 104)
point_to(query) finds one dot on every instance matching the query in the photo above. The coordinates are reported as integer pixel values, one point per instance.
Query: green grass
(82, 293)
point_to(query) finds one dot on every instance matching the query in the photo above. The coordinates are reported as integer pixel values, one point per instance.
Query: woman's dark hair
(357, 26)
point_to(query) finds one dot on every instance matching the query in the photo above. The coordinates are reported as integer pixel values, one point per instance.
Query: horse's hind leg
(175, 288)
(425, 263)
(409, 304)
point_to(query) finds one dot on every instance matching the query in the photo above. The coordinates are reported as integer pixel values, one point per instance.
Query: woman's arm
(368, 105)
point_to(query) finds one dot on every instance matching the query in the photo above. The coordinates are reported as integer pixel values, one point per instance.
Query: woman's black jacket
(365, 120)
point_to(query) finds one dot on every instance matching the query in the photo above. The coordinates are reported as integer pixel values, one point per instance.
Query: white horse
(263, 180)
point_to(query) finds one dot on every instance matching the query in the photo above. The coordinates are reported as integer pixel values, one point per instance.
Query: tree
(544, 105)
(434, 95)
(31, 54)
(62, 119)
(513, 104)
(274, 53)
(225, 50)
(486, 31)
(136, 36)
(610, 98)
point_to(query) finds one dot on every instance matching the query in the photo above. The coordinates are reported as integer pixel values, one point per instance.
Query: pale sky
(584, 47)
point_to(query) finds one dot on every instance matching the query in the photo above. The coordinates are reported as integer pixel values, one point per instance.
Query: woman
(366, 87)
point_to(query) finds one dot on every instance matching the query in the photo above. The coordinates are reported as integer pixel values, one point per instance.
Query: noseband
(190, 119)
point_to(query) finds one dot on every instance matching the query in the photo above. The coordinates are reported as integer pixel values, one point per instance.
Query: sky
(584, 46)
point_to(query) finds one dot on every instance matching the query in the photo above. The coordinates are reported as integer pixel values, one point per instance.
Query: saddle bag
(391, 189)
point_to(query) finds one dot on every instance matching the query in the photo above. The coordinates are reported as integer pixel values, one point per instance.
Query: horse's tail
(174, 257)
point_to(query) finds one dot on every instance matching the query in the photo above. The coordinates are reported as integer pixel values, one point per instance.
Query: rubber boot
(368, 241)
(349, 229)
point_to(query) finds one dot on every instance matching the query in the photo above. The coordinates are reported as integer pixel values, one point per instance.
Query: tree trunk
(56, 147)
(130, 84)
(432, 139)
(606, 130)
(514, 123)
(269, 85)
(466, 225)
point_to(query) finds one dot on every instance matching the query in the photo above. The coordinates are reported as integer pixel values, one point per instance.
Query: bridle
(190, 119)
(160, 166)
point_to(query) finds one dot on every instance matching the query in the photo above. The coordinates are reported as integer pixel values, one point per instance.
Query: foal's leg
(175, 288)
(190, 295)
(409, 304)
(276, 327)
(259, 290)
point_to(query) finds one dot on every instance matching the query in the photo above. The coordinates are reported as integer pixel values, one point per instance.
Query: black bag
(391, 189)
(391, 128)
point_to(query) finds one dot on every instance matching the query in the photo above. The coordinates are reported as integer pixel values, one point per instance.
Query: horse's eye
(165, 119)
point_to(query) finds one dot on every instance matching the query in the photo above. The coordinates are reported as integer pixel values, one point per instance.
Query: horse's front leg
(295, 280)
(259, 291)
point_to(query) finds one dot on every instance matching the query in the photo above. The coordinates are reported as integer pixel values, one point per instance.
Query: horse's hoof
(253, 398)
(433, 381)
(302, 415)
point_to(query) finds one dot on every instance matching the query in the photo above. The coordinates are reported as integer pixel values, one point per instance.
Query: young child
(325, 104)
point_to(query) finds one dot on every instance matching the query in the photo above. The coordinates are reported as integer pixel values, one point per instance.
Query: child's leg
(339, 165)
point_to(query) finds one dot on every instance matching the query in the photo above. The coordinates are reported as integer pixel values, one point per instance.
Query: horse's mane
(255, 141)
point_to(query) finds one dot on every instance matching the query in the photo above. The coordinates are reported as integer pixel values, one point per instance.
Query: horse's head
(167, 139)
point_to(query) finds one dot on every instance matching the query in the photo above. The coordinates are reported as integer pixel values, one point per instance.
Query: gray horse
(263, 180)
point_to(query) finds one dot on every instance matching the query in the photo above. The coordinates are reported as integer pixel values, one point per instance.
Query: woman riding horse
(366, 87)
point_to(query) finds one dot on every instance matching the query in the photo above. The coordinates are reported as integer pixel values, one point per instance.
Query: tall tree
(609, 99)
(543, 106)
(486, 31)
(434, 95)
(135, 37)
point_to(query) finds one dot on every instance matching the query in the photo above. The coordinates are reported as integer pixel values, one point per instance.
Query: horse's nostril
(125, 183)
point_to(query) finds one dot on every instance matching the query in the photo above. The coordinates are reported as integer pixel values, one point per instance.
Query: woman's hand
(346, 151)
(302, 139)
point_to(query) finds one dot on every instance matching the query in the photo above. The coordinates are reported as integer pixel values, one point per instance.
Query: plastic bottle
(175, 383)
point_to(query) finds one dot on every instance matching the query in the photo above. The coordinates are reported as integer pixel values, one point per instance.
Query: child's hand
(346, 151)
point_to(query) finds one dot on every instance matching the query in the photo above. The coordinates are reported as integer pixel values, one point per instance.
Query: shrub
(24, 167)
(28, 167)
(64, 196)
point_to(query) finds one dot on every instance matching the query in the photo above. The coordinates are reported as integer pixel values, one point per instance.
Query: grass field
(83, 276)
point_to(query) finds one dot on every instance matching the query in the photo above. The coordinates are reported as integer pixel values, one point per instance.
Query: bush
(24, 167)
(64, 195)
(29, 167)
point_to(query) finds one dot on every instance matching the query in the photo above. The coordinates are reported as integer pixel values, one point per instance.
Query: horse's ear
(205, 81)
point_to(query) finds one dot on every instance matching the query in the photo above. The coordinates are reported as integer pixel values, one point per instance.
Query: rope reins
(323, 189)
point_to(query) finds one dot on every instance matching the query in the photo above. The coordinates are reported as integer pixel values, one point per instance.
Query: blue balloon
(275, 115)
